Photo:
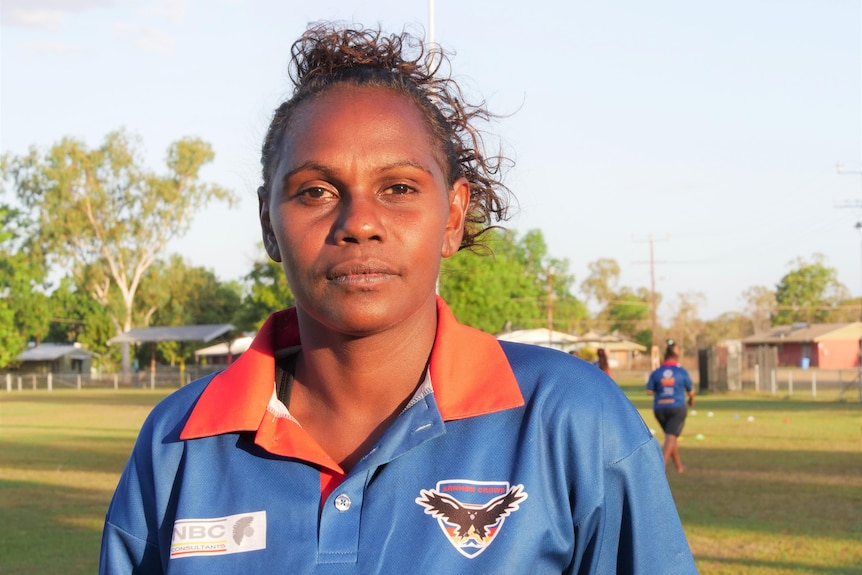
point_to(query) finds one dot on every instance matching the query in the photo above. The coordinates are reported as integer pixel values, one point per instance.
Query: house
(620, 351)
(542, 337)
(56, 358)
(222, 353)
(823, 345)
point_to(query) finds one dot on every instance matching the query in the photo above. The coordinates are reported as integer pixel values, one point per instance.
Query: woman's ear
(269, 242)
(459, 202)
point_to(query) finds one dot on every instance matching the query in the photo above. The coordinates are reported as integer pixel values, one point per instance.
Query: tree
(761, 307)
(601, 283)
(810, 292)
(629, 315)
(729, 325)
(267, 292)
(516, 285)
(77, 318)
(178, 293)
(23, 301)
(686, 323)
(106, 217)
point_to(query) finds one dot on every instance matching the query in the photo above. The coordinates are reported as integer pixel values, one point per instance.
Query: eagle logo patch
(471, 513)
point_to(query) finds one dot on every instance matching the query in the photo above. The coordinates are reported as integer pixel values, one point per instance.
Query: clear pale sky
(713, 127)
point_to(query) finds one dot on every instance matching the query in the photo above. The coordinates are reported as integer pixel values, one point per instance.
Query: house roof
(53, 351)
(178, 333)
(609, 342)
(541, 336)
(804, 333)
(237, 346)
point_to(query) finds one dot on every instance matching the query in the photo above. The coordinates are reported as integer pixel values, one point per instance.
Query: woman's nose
(359, 221)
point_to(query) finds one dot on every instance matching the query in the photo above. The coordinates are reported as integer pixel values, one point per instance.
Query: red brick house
(823, 345)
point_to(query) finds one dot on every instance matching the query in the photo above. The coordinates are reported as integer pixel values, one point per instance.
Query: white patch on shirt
(219, 536)
(277, 408)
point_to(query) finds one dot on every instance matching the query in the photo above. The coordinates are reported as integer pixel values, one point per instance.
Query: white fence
(790, 381)
(162, 378)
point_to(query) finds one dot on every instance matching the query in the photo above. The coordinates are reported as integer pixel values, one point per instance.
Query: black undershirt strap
(284, 370)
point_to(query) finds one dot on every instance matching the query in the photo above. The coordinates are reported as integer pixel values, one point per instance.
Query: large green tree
(266, 291)
(23, 301)
(106, 217)
(810, 292)
(512, 284)
(176, 293)
(629, 314)
(78, 318)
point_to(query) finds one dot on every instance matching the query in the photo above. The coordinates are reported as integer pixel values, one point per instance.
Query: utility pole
(653, 311)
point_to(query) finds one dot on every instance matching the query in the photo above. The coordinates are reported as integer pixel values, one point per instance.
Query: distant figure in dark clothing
(602, 362)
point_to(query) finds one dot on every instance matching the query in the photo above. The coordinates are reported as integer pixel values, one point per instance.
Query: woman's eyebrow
(329, 171)
(308, 166)
(404, 164)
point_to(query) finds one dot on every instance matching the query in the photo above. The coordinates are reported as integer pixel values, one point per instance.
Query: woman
(366, 431)
(671, 384)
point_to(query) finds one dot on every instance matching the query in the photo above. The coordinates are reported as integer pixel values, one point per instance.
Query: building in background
(823, 345)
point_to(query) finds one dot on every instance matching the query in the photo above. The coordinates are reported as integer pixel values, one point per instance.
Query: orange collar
(469, 372)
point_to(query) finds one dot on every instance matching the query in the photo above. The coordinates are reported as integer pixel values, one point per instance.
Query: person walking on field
(670, 384)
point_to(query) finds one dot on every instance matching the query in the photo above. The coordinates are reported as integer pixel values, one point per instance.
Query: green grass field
(778, 495)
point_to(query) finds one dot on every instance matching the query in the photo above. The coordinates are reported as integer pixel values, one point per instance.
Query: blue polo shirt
(670, 384)
(509, 459)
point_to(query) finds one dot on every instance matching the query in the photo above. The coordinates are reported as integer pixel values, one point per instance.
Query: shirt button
(342, 502)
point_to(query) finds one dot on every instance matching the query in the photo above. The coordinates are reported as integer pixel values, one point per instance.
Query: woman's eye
(316, 193)
(399, 189)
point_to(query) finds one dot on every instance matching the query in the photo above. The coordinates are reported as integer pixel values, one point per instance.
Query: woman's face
(359, 212)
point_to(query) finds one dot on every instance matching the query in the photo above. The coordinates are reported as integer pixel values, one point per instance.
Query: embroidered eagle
(471, 520)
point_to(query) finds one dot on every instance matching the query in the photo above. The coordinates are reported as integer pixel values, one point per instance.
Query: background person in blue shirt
(671, 385)
(366, 431)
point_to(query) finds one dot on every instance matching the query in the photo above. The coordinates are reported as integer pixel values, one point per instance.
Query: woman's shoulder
(567, 391)
(170, 414)
(543, 373)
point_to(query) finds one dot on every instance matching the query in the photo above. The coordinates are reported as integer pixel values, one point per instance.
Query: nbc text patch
(219, 536)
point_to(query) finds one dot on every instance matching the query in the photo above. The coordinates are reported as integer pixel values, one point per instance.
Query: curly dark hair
(327, 55)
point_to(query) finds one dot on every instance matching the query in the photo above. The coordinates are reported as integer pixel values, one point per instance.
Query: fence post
(79, 382)
(117, 382)
(772, 381)
(8, 383)
(756, 377)
(813, 384)
(790, 383)
(19, 383)
(840, 386)
(152, 379)
(33, 379)
(50, 382)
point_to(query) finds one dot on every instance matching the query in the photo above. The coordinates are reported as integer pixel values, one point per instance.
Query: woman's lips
(360, 274)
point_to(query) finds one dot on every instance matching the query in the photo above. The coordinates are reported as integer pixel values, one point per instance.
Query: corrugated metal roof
(802, 333)
(178, 333)
(237, 347)
(53, 351)
(609, 342)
